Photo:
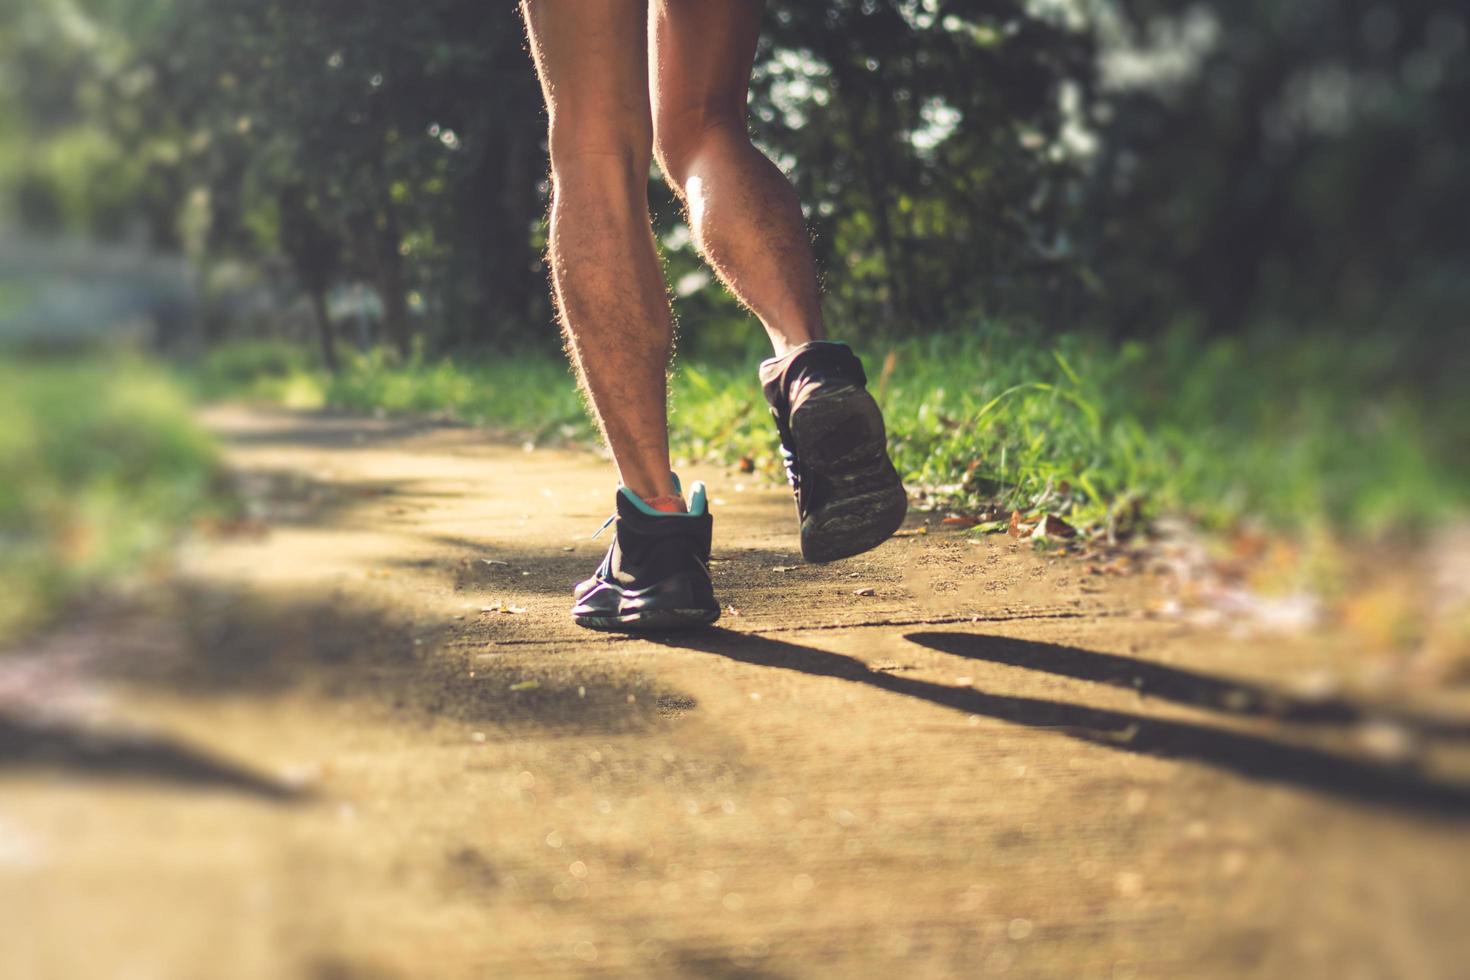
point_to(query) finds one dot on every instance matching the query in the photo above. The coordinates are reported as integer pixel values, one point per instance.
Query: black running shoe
(848, 495)
(656, 574)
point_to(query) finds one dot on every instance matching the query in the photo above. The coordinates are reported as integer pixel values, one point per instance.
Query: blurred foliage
(1268, 431)
(1128, 165)
(100, 465)
(1302, 162)
(1227, 238)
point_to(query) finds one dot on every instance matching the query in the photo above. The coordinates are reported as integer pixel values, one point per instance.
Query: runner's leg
(744, 214)
(591, 56)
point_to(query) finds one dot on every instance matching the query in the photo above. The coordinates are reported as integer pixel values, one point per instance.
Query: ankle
(650, 487)
(783, 342)
(670, 503)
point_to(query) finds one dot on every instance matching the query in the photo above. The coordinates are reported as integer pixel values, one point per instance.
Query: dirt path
(315, 753)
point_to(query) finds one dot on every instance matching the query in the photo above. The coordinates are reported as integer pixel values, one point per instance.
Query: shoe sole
(650, 620)
(841, 440)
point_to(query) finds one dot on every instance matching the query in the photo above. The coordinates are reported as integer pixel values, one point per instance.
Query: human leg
(748, 223)
(591, 57)
(744, 214)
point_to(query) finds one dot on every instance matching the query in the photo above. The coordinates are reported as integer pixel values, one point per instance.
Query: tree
(926, 138)
(406, 129)
(1306, 162)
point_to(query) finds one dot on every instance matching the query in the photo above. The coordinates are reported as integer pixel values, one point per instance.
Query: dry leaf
(1019, 528)
(865, 592)
(1052, 526)
(960, 520)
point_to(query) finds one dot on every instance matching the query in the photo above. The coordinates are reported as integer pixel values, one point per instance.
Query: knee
(598, 152)
(681, 139)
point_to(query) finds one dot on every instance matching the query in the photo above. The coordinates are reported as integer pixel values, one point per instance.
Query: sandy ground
(367, 742)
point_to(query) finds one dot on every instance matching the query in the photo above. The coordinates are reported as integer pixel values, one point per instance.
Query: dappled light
(714, 488)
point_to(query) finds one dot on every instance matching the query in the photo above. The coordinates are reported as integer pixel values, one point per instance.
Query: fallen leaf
(1123, 735)
(990, 527)
(525, 685)
(1018, 527)
(865, 592)
(784, 568)
(960, 520)
(516, 609)
(494, 562)
(1051, 526)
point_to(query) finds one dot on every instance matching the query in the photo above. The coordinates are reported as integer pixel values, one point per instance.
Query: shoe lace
(605, 568)
(793, 476)
(788, 455)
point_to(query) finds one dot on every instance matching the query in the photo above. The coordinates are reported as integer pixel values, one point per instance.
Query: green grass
(1288, 434)
(100, 466)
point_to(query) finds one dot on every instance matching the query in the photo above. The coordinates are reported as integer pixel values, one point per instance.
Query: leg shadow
(1174, 683)
(1244, 754)
(34, 744)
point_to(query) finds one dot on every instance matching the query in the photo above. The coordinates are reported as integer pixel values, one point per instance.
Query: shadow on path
(1245, 754)
(1176, 684)
(28, 743)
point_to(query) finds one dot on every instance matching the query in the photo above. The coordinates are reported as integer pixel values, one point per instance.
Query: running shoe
(656, 573)
(848, 495)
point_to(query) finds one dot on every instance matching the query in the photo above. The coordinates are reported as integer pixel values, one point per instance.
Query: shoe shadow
(1249, 755)
(1176, 684)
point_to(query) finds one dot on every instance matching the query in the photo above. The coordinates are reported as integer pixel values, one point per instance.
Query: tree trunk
(496, 287)
(390, 284)
(325, 332)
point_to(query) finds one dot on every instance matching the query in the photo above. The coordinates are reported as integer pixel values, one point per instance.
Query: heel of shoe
(841, 439)
(838, 430)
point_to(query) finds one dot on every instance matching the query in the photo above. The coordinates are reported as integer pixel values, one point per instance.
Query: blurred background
(1169, 296)
(1206, 260)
